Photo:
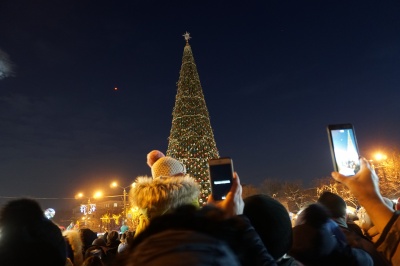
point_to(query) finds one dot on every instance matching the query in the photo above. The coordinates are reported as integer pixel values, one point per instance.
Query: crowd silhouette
(174, 230)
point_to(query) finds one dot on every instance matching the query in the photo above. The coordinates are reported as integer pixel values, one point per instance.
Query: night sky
(273, 73)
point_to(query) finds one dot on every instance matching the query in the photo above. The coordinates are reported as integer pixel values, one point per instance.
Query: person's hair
(334, 203)
(129, 237)
(93, 261)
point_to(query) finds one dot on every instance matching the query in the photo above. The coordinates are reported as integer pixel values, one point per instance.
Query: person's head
(112, 236)
(129, 237)
(312, 238)
(334, 203)
(99, 242)
(21, 212)
(271, 221)
(87, 236)
(318, 240)
(28, 237)
(93, 261)
(124, 228)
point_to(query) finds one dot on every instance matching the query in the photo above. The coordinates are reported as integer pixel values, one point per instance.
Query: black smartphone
(221, 175)
(344, 149)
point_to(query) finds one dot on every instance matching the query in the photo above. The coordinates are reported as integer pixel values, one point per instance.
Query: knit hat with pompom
(153, 156)
(162, 165)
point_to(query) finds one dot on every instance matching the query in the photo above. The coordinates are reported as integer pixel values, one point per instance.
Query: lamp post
(115, 184)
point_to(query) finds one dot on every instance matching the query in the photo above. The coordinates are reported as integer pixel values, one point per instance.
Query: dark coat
(237, 233)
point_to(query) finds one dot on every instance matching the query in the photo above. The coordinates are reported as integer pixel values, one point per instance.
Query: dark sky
(274, 74)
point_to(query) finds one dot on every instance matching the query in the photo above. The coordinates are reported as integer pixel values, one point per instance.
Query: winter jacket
(237, 233)
(155, 197)
(318, 240)
(357, 241)
(181, 248)
(388, 242)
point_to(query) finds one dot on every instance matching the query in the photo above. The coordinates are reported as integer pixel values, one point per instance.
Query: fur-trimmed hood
(157, 196)
(75, 243)
(160, 195)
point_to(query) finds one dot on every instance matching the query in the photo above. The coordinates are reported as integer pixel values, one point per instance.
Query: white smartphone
(344, 149)
(221, 175)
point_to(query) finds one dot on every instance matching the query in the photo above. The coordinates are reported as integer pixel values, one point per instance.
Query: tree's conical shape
(191, 138)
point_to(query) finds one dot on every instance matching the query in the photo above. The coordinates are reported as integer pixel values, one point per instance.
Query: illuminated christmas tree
(191, 138)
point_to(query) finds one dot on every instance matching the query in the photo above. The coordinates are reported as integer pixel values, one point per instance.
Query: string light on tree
(191, 137)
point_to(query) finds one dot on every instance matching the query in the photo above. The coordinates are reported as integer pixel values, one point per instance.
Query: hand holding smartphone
(344, 149)
(221, 175)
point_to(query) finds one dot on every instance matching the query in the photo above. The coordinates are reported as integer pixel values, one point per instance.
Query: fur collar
(160, 195)
(155, 197)
(75, 241)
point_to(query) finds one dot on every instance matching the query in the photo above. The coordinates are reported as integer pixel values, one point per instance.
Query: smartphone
(221, 175)
(344, 149)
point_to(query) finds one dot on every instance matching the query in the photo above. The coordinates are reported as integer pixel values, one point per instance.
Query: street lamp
(380, 158)
(88, 208)
(114, 185)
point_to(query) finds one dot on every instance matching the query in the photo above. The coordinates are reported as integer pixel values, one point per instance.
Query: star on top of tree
(187, 36)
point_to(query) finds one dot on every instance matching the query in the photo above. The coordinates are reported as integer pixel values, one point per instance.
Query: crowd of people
(174, 230)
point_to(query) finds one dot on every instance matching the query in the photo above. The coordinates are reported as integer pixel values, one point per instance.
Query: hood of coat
(160, 195)
(74, 241)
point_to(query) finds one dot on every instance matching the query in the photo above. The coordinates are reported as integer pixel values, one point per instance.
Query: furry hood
(75, 242)
(160, 195)
(155, 197)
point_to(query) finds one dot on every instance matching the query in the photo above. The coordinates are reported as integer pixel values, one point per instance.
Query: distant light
(98, 194)
(379, 156)
(115, 88)
(49, 213)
